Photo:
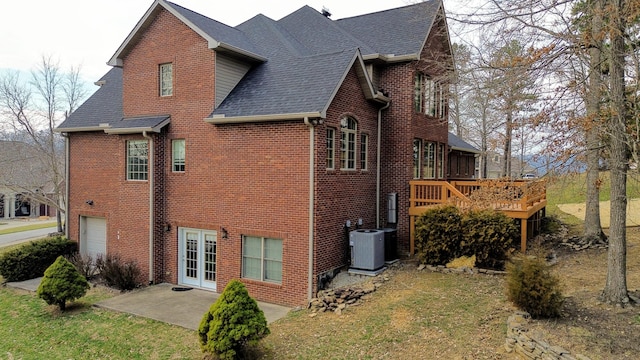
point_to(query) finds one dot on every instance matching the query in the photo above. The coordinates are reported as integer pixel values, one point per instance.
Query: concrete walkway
(160, 302)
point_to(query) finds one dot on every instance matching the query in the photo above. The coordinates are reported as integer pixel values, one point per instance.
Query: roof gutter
(222, 119)
(391, 58)
(378, 151)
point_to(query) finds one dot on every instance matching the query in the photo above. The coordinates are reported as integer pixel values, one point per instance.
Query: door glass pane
(210, 257)
(191, 255)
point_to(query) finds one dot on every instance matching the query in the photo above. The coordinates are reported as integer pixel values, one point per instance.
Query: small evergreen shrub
(488, 235)
(232, 324)
(117, 273)
(31, 260)
(437, 237)
(533, 288)
(61, 283)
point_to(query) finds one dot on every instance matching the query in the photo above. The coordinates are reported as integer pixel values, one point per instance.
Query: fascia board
(221, 119)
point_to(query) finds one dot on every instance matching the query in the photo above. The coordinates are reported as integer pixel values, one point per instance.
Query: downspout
(378, 163)
(151, 173)
(66, 184)
(311, 202)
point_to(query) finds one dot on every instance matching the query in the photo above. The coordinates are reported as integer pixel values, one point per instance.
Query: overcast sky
(87, 33)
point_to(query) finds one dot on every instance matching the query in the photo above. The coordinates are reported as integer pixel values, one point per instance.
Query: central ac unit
(367, 249)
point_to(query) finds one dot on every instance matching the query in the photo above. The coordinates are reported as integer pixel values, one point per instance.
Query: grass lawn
(33, 330)
(25, 228)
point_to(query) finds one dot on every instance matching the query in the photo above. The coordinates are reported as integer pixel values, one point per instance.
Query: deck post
(523, 235)
(412, 235)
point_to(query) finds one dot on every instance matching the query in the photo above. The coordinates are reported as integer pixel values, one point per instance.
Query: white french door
(197, 257)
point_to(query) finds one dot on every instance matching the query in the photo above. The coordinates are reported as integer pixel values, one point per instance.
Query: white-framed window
(177, 155)
(331, 148)
(417, 149)
(441, 161)
(364, 145)
(166, 79)
(262, 258)
(429, 96)
(137, 159)
(418, 93)
(349, 128)
(429, 160)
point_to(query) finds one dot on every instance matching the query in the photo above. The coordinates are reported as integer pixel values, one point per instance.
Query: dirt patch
(578, 210)
(587, 326)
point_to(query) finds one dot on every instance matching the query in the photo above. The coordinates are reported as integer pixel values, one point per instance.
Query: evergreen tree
(61, 283)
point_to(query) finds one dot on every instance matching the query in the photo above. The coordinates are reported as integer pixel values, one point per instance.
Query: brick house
(211, 152)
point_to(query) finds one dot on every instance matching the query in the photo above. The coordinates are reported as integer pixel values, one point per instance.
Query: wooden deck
(518, 199)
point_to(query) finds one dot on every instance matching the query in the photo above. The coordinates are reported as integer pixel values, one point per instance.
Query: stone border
(520, 342)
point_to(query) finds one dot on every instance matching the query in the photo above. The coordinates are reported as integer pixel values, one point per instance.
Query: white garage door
(94, 239)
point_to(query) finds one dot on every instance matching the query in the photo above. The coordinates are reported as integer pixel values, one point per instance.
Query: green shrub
(117, 273)
(31, 260)
(233, 323)
(533, 288)
(437, 237)
(62, 283)
(488, 235)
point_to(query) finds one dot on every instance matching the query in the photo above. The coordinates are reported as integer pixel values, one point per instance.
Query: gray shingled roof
(138, 124)
(459, 144)
(303, 85)
(307, 56)
(399, 31)
(104, 106)
(217, 30)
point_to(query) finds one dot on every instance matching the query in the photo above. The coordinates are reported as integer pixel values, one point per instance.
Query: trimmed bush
(31, 260)
(62, 283)
(117, 273)
(488, 235)
(533, 288)
(232, 324)
(438, 235)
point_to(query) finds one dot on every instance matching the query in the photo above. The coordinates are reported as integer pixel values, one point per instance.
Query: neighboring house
(211, 152)
(495, 167)
(23, 181)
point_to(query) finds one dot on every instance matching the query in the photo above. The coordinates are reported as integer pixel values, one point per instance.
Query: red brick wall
(248, 179)
(401, 125)
(97, 173)
(343, 195)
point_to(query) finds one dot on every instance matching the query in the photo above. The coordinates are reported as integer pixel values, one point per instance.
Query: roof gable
(219, 36)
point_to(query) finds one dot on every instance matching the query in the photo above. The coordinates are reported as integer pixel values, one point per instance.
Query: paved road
(25, 235)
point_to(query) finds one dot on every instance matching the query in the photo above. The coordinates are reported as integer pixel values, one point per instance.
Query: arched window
(349, 129)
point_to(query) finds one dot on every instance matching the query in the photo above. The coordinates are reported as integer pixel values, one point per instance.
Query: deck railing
(518, 199)
(509, 196)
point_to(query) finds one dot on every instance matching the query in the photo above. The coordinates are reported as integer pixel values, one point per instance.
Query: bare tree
(615, 290)
(32, 110)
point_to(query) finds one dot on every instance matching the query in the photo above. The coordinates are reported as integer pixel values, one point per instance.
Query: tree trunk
(592, 224)
(615, 290)
(506, 168)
